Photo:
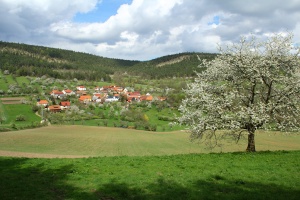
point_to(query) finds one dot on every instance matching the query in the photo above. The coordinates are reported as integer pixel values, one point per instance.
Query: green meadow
(95, 141)
(261, 175)
(11, 111)
(82, 162)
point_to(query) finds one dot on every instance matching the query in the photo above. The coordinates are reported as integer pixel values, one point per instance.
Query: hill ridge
(24, 60)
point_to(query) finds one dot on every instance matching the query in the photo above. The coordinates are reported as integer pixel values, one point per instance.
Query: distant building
(43, 103)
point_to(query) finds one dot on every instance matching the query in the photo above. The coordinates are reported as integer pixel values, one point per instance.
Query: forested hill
(177, 65)
(30, 60)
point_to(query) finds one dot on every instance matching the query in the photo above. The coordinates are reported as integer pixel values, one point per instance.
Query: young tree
(250, 85)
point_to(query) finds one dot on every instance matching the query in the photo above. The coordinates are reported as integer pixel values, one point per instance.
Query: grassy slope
(266, 175)
(22, 79)
(102, 141)
(3, 84)
(13, 110)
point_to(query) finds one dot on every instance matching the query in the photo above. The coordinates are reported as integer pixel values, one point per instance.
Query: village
(97, 95)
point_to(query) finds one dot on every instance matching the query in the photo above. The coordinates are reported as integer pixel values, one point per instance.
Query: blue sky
(144, 29)
(103, 10)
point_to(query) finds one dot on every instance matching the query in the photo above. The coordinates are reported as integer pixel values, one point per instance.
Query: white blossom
(248, 86)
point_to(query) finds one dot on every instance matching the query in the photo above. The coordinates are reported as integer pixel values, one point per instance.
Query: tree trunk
(251, 142)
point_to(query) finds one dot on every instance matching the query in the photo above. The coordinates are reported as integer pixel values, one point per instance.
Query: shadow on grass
(20, 180)
(216, 188)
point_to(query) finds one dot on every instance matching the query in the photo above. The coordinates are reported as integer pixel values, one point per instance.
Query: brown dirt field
(11, 102)
(12, 99)
(36, 155)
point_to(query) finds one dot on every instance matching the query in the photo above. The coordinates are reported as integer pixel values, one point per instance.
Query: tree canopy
(250, 85)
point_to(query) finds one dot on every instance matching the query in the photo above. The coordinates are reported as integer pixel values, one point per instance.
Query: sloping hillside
(30, 60)
(176, 65)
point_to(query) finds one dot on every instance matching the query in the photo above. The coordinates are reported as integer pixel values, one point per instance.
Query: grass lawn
(104, 141)
(10, 79)
(22, 79)
(13, 110)
(265, 175)
(3, 84)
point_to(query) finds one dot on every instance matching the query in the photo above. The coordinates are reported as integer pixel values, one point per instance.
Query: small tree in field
(250, 85)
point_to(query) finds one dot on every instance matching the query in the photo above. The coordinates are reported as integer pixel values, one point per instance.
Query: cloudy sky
(144, 29)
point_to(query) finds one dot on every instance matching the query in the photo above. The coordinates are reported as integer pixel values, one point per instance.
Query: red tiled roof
(65, 103)
(43, 102)
(146, 98)
(134, 93)
(54, 108)
(68, 91)
(56, 92)
(84, 97)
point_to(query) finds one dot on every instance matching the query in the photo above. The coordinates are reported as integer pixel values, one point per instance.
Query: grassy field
(103, 141)
(10, 111)
(256, 176)
(3, 84)
(22, 80)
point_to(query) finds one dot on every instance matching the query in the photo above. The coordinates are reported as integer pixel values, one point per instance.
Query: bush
(13, 126)
(149, 127)
(123, 124)
(128, 118)
(34, 108)
(20, 118)
(105, 122)
(166, 118)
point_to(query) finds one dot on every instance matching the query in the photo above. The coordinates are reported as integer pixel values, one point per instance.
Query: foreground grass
(105, 141)
(264, 175)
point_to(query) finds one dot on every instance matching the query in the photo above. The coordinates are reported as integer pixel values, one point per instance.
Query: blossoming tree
(250, 85)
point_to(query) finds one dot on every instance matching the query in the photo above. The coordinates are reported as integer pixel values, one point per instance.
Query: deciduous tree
(250, 85)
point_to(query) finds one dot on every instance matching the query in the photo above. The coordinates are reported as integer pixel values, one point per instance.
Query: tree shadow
(23, 180)
(216, 188)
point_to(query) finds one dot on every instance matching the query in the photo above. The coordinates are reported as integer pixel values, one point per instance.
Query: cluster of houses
(99, 95)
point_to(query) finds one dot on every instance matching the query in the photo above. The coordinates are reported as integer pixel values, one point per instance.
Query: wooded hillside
(30, 60)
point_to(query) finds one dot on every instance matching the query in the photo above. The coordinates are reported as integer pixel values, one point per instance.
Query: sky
(144, 29)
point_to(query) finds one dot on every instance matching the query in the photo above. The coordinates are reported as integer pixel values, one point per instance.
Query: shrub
(123, 124)
(13, 126)
(165, 118)
(105, 122)
(152, 127)
(128, 118)
(20, 118)
(34, 108)
(147, 126)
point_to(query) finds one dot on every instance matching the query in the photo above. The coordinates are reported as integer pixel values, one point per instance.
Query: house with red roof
(146, 97)
(54, 108)
(65, 105)
(57, 94)
(43, 103)
(68, 92)
(133, 96)
(85, 98)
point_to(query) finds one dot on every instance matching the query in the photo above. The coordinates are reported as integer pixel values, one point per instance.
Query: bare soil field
(12, 100)
(36, 155)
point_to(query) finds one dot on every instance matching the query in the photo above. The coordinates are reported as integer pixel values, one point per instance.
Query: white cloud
(145, 29)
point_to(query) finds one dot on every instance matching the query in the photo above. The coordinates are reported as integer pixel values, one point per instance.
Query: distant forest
(30, 60)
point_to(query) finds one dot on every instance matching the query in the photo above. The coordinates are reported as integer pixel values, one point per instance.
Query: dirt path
(36, 155)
